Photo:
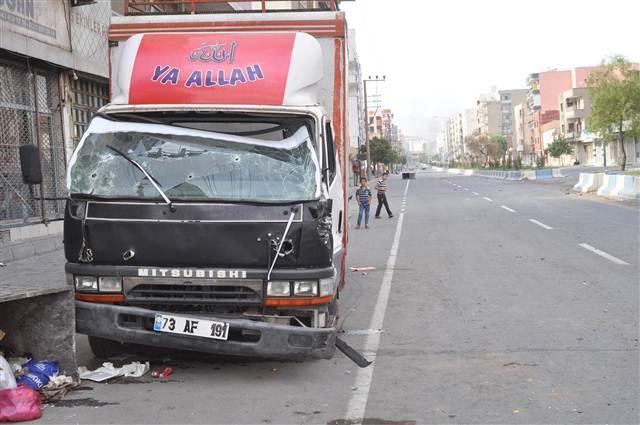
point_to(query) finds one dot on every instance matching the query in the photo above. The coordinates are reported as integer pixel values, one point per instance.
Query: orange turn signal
(100, 298)
(297, 301)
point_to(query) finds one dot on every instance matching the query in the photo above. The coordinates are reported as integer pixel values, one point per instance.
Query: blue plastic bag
(33, 379)
(49, 369)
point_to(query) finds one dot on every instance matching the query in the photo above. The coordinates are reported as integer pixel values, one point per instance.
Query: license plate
(190, 326)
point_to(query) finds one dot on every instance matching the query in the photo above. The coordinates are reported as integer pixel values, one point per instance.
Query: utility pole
(366, 118)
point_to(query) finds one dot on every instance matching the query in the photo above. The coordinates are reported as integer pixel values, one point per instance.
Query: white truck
(207, 205)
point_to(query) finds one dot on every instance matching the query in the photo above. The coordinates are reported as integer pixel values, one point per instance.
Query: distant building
(454, 137)
(488, 114)
(575, 109)
(380, 123)
(542, 97)
(469, 126)
(508, 100)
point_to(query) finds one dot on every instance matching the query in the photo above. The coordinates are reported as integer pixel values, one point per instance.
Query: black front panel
(196, 235)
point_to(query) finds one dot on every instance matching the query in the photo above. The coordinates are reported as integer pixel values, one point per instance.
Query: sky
(438, 55)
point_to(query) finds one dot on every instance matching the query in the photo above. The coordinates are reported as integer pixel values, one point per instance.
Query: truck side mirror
(30, 164)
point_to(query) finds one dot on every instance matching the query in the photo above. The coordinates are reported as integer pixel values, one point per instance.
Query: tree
(615, 94)
(477, 144)
(362, 153)
(497, 147)
(559, 147)
(380, 150)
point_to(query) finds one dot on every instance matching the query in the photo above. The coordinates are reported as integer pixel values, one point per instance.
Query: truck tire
(105, 348)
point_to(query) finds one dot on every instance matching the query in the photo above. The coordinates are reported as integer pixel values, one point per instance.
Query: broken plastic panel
(193, 164)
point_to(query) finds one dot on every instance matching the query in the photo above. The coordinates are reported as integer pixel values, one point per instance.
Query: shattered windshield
(192, 164)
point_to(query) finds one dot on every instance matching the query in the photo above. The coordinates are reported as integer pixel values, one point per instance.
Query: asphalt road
(484, 308)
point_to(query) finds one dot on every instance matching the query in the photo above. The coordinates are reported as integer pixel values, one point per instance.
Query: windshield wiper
(153, 181)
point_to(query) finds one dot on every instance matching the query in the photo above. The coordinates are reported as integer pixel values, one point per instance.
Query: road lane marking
(476, 193)
(507, 208)
(466, 188)
(487, 199)
(362, 385)
(604, 254)
(544, 226)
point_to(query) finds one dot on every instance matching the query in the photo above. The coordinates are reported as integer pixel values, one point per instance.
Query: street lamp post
(366, 118)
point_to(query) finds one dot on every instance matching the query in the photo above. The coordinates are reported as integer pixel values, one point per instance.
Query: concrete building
(508, 100)
(53, 73)
(454, 137)
(542, 97)
(488, 113)
(380, 123)
(575, 108)
(588, 149)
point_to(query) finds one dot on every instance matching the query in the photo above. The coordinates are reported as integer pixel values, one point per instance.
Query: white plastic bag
(7, 380)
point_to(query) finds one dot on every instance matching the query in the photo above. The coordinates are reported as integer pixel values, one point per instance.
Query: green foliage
(509, 164)
(381, 151)
(362, 153)
(615, 94)
(398, 156)
(559, 147)
(497, 147)
(491, 150)
(517, 164)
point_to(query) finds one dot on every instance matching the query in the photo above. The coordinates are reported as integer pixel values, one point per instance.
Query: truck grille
(210, 292)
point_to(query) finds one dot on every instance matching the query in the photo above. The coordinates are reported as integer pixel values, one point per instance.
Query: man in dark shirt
(363, 198)
(381, 187)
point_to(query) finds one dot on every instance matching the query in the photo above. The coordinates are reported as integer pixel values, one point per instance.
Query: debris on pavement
(58, 387)
(108, 371)
(352, 354)
(7, 380)
(36, 374)
(362, 269)
(21, 403)
(163, 373)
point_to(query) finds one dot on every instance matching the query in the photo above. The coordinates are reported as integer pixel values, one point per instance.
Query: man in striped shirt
(363, 198)
(381, 187)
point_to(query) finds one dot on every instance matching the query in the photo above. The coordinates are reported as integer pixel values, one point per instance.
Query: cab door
(335, 187)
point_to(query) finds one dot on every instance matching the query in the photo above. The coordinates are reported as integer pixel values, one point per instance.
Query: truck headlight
(326, 286)
(86, 283)
(110, 284)
(305, 288)
(278, 289)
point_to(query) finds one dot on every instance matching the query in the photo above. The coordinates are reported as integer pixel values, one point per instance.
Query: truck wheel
(105, 348)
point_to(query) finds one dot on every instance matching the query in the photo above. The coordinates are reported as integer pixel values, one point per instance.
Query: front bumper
(135, 325)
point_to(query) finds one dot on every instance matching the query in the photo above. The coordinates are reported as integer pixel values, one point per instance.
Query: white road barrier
(616, 186)
(589, 182)
(627, 187)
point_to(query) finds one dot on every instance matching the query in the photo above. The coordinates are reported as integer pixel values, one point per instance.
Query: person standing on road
(381, 187)
(363, 198)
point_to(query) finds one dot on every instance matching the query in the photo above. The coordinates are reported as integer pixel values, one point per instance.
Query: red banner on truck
(206, 68)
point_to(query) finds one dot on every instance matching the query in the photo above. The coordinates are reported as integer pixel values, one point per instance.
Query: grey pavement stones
(37, 309)
(27, 248)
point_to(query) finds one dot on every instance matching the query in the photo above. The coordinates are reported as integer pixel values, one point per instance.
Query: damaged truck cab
(207, 202)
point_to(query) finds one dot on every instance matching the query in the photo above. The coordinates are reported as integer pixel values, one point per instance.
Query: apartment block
(488, 114)
(508, 100)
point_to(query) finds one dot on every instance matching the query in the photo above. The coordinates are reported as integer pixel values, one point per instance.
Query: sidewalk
(37, 309)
